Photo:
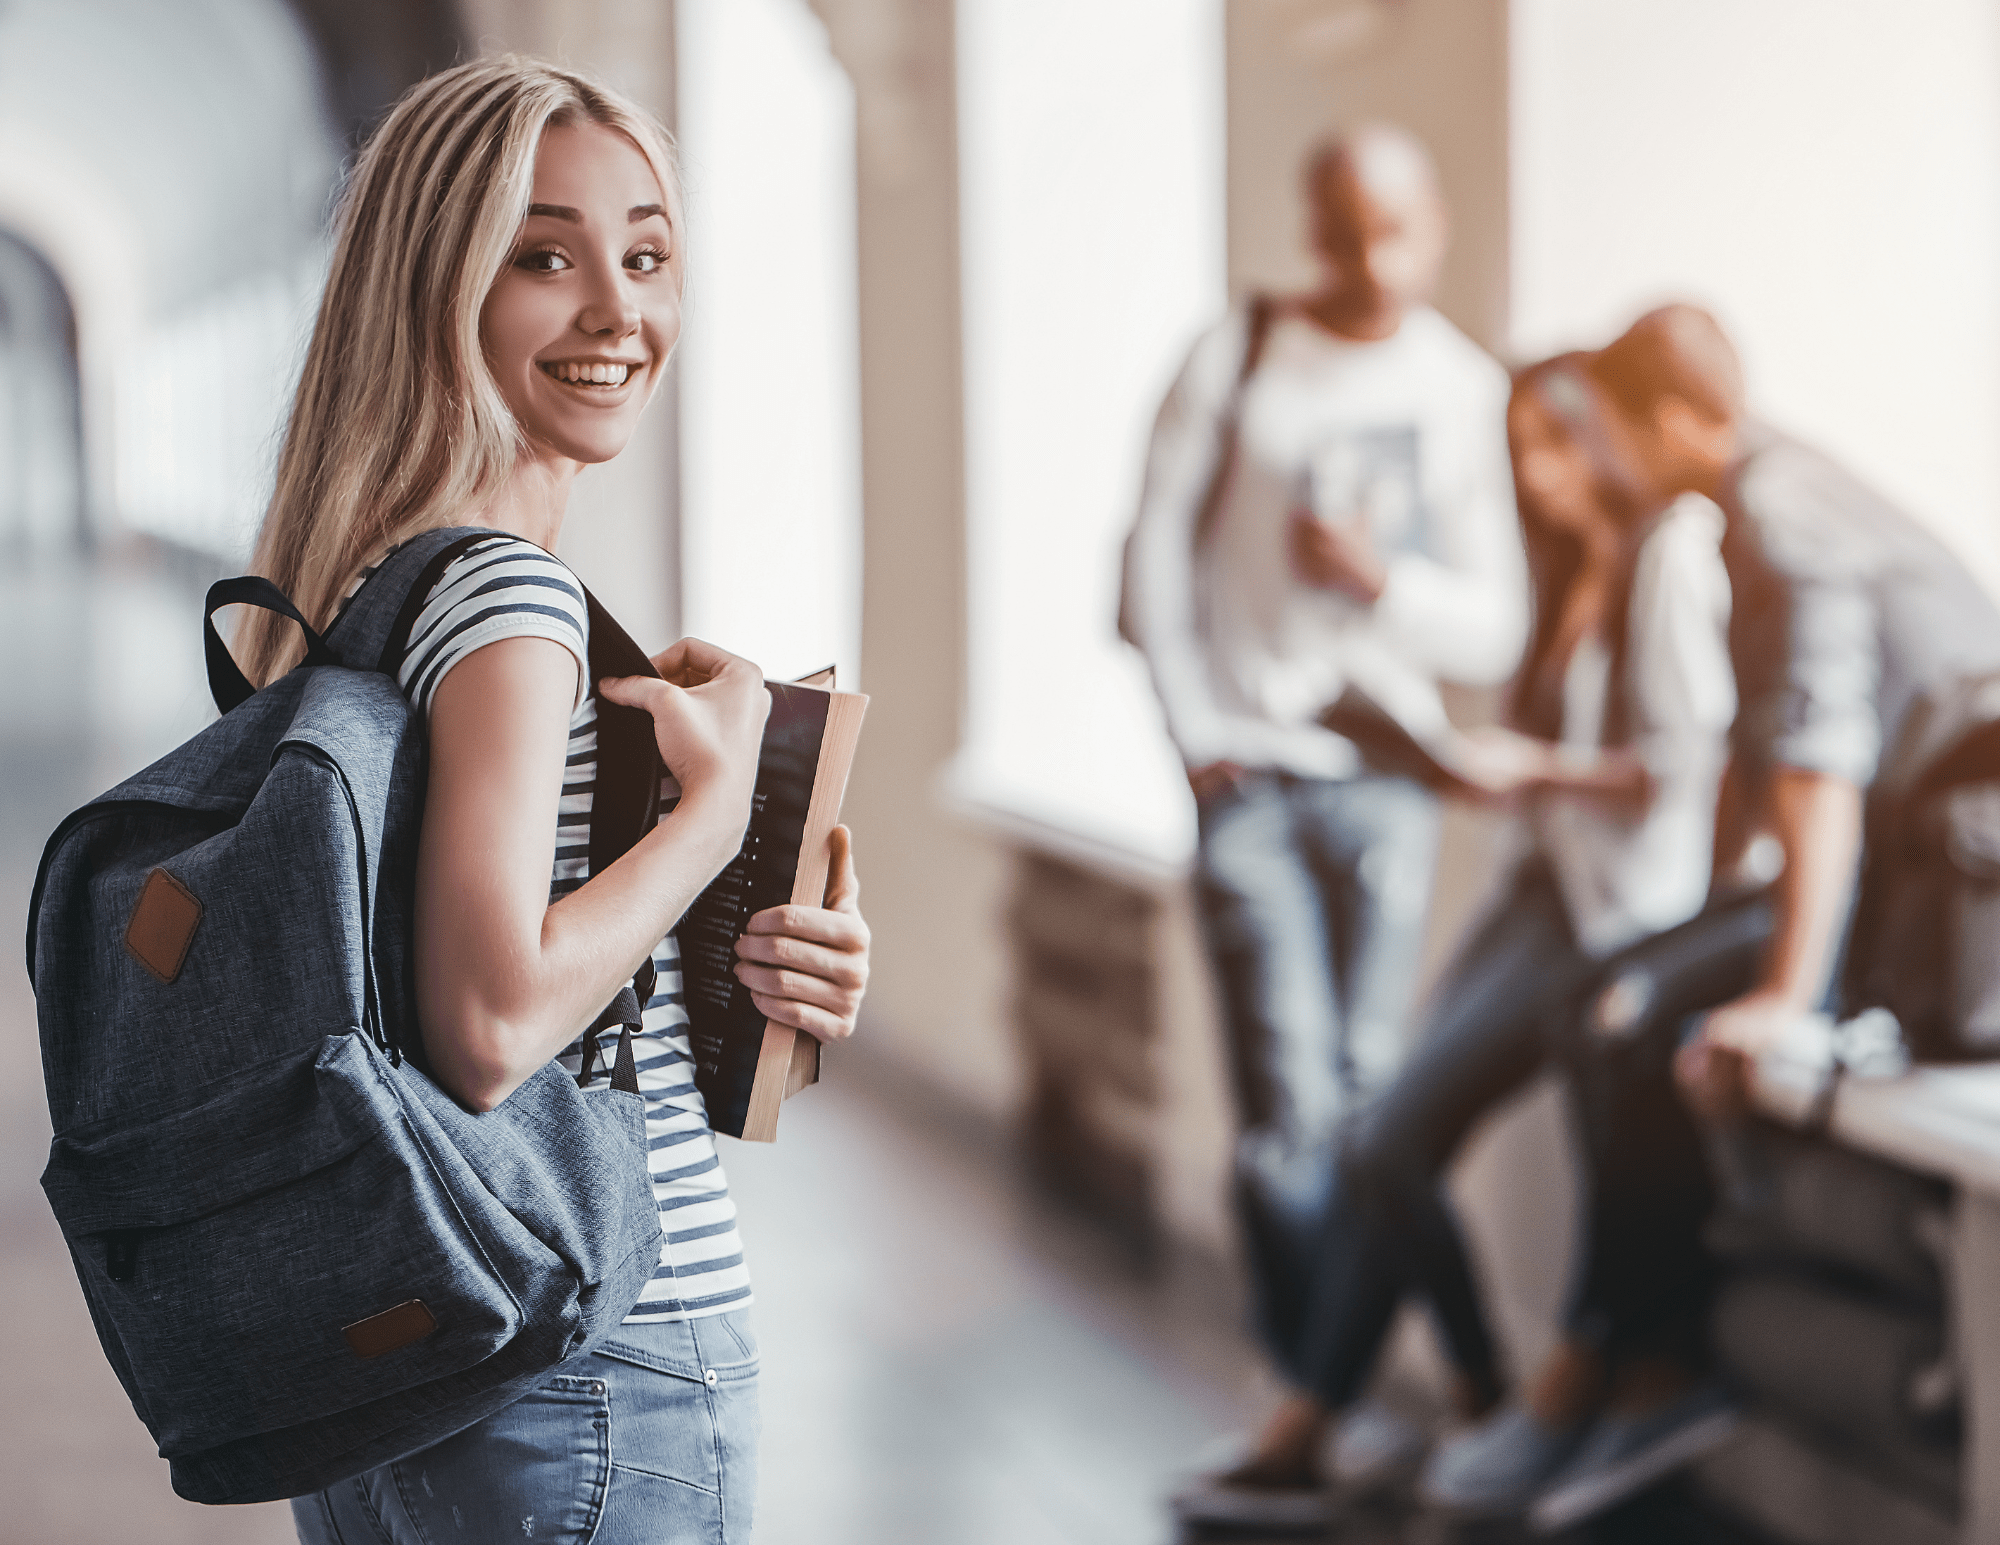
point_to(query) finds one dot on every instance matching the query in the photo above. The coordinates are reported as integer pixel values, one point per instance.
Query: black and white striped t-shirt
(506, 587)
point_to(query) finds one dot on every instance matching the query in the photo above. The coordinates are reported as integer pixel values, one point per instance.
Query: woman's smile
(596, 377)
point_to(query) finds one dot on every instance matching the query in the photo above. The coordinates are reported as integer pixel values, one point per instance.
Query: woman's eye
(543, 261)
(647, 260)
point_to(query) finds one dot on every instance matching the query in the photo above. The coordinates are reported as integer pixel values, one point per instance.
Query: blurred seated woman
(1614, 748)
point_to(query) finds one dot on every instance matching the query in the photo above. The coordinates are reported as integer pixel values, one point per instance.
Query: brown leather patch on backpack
(391, 1329)
(163, 925)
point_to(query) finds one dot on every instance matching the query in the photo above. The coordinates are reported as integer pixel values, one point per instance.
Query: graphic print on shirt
(1370, 476)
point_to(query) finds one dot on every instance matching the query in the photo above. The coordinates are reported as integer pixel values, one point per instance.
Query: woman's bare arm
(504, 980)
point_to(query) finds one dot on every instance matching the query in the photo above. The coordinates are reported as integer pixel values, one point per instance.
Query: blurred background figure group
(1716, 636)
(1345, 1019)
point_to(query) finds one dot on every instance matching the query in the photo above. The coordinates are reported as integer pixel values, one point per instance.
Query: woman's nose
(614, 317)
(609, 310)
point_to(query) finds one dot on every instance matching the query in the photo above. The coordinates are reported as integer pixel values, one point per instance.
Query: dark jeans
(1487, 1034)
(1519, 994)
(1644, 1279)
(1313, 899)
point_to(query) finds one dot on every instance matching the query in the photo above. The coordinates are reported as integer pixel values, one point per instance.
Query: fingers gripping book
(746, 1065)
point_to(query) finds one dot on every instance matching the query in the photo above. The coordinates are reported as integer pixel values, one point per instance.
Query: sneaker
(1219, 1499)
(1626, 1454)
(1498, 1466)
(1374, 1445)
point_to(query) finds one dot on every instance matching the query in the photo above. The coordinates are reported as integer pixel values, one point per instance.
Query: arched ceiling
(160, 152)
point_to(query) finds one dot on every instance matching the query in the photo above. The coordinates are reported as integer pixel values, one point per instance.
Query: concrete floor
(949, 1359)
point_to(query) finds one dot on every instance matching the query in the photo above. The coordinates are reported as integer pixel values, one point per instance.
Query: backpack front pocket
(335, 1265)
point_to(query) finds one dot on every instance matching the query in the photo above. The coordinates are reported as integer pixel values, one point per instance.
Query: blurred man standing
(1327, 510)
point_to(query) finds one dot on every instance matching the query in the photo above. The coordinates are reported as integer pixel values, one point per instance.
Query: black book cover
(725, 1028)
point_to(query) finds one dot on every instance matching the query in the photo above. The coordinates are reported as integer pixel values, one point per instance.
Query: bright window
(771, 483)
(1091, 176)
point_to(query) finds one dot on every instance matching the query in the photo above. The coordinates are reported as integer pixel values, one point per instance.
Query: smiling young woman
(503, 300)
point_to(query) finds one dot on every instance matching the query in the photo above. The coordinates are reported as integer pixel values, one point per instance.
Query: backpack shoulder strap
(373, 630)
(626, 802)
(1257, 332)
(624, 806)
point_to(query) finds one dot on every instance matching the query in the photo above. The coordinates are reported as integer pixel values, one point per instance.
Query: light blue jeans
(1314, 894)
(651, 1441)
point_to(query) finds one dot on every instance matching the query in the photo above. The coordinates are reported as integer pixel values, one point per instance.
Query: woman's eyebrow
(574, 216)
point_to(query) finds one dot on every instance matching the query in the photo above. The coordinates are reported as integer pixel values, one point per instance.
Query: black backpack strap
(397, 645)
(624, 806)
(226, 682)
(370, 633)
(626, 803)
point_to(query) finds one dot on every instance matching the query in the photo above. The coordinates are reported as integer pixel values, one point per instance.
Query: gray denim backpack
(302, 1257)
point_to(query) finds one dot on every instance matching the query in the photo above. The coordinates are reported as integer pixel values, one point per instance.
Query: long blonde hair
(399, 426)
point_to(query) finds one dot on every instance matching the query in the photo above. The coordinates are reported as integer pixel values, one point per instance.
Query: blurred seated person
(1845, 614)
(1615, 745)
(1848, 614)
(1326, 504)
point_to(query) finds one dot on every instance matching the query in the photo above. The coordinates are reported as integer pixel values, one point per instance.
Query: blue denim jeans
(651, 1441)
(1314, 894)
(1514, 982)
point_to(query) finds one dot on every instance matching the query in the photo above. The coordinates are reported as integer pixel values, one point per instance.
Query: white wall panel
(1825, 174)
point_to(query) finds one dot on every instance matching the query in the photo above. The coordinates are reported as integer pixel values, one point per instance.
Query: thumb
(632, 691)
(843, 888)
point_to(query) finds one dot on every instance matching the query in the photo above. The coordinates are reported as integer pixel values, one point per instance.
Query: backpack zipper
(372, 1019)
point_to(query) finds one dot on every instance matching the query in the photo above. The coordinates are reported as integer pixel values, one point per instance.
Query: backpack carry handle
(226, 682)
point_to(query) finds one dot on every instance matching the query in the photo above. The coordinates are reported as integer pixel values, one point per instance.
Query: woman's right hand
(708, 716)
(1502, 763)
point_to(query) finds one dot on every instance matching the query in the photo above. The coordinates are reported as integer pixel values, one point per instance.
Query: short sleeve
(502, 588)
(1805, 630)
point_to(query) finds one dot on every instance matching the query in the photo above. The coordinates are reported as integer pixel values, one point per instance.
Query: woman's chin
(589, 444)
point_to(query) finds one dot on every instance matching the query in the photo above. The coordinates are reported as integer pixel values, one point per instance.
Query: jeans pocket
(684, 1429)
(728, 1343)
(538, 1471)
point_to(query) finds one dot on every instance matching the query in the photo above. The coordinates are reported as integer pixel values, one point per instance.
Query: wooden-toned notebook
(746, 1066)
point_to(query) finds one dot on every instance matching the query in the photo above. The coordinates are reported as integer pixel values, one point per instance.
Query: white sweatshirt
(1408, 434)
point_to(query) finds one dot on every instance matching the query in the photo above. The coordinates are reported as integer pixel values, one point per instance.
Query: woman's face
(1552, 469)
(578, 326)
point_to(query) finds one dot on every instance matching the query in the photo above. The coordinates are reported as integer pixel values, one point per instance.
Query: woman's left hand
(807, 967)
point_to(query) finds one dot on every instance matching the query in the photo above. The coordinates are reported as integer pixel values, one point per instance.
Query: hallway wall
(1825, 177)
(184, 218)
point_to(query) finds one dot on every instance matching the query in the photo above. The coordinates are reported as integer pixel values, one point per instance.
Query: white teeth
(580, 373)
